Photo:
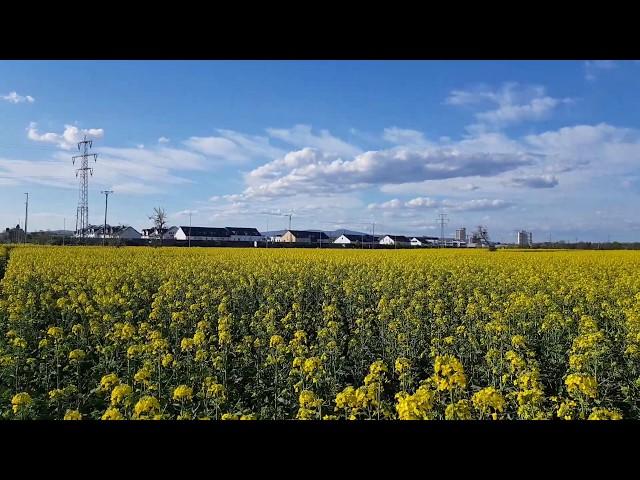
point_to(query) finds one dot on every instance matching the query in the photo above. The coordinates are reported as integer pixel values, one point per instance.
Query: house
(202, 233)
(244, 234)
(304, 236)
(397, 240)
(121, 231)
(350, 238)
(153, 233)
(118, 231)
(424, 241)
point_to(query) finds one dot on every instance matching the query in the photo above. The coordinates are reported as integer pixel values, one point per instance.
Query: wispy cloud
(429, 203)
(514, 103)
(592, 67)
(303, 136)
(234, 147)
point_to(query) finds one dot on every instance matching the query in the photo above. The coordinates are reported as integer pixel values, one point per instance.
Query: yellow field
(254, 333)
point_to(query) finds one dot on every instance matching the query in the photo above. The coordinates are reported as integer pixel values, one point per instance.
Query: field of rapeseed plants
(136, 333)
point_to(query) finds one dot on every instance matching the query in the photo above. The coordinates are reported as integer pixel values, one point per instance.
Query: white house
(398, 240)
(424, 241)
(349, 238)
(153, 233)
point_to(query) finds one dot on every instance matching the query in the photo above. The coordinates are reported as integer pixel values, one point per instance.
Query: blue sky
(553, 147)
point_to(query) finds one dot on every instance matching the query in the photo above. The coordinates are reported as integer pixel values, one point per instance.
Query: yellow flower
(182, 393)
(21, 401)
(448, 373)
(147, 406)
(112, 414)
(77, 355)
(276, 341)
(55, 332)
(489, 401)
(72, 415)
(120, 393)
(402, 365)
(460, 410)
(418, 406)
(167, 360)
(605, 414)
(581, 384)
(109, 381)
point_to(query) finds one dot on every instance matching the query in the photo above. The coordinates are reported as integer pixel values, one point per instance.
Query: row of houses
(248, 234)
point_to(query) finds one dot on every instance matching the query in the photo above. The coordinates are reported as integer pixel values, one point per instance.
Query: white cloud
(163, 140)
(429, 203)
(535, 181)
(402, 136)
(313, 171)
(515, 103)
(302, 136)
(234, 147)
(13, 97)
(591, 67)
(67, 139)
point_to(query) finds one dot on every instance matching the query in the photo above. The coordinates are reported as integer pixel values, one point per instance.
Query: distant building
(12, 235)
(461, 234)
(304, 236)
(352, 238)
(154, 234)
(117, 231)
(424, 241)
(398, 240)
(244, 234)
(524, 239)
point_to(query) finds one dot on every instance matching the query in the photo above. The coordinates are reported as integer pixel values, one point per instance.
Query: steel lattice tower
(82, 214)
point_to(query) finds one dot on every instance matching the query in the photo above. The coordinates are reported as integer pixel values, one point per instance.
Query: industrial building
(461, 234)
(524, 238)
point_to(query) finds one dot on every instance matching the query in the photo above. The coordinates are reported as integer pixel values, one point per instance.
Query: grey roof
(399, 238)
(244, 231)
(360, 238)
(425, 239)
(309, 234)
(204, 231)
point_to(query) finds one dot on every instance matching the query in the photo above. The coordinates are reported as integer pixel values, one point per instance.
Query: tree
(159, 218)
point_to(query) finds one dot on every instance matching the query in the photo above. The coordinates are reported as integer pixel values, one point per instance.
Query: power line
(443, 220)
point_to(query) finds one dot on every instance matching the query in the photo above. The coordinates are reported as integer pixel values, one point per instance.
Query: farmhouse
(350, 238)
(304, 236)
(397, 240)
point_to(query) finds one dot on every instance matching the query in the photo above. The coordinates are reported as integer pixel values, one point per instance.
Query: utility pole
(106, 203)
(373, 234)
(26, 216)
(190, 213)
(64, 228)
(82, 214)
(443, 220)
